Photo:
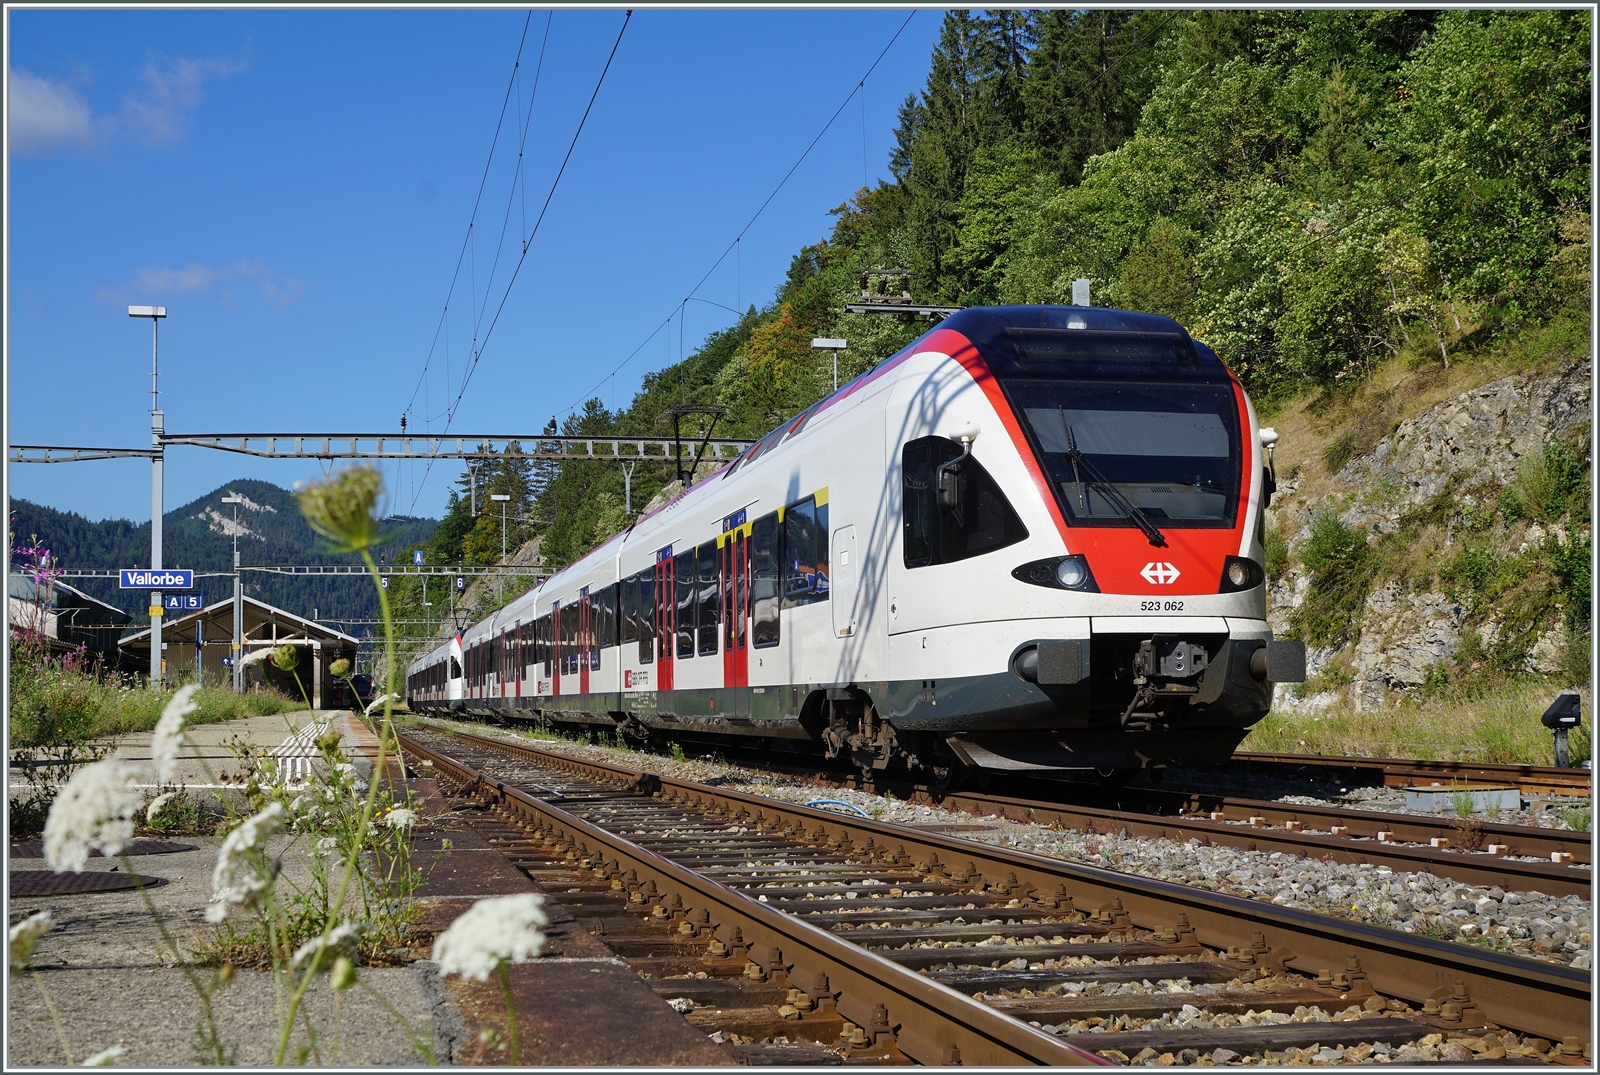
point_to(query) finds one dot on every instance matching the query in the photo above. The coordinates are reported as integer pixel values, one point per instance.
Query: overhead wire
(527, 242)
(473, 217)
(735, 244)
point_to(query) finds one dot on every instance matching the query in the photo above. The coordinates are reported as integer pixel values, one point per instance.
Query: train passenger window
(766, 555)
(686, 572)
(647, 617)
(595, 607)
(710, 597)
(805, 553)
(630, 609)
(455, 667)
(606, 632)
(983, 520)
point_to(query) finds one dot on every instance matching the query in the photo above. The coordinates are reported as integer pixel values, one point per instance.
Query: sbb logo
(1159, 573)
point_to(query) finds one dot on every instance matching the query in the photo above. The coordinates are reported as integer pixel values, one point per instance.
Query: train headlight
(1072, 572)
(1058, 573)
(1239, 573)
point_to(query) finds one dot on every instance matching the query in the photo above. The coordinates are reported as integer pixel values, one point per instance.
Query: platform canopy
(201, 639)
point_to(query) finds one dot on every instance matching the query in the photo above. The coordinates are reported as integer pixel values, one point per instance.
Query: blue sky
(295, 187)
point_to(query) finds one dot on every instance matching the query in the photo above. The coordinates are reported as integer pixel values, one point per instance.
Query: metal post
(627, 488)
(1561, 748)
(238, 627)
(157, 433)
(157, 658)
(238, 599)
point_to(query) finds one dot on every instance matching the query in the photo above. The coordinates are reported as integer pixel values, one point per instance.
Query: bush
(1342, 567)
(1552, 484)
(1571, 563)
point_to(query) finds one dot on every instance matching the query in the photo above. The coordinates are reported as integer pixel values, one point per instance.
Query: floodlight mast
(157, 661)
(238, 599)
(827, 343)
(504, 499)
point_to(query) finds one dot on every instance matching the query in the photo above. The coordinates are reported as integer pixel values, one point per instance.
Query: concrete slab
(1446, 797)
(115, 980)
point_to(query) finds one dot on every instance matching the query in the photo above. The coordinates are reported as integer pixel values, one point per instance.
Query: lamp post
(500, 581)
(828, 343)
(238, 599)
(155, 314)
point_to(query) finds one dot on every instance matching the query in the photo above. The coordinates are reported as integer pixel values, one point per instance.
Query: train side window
(647, 614)
(805, 553)
(597, 617)
(685, 571)
(982, 521)
(710, 597)
(455, 667)
(630, 609)
(766, 555)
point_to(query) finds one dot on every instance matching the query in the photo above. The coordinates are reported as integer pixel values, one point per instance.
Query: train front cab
(1145, 642)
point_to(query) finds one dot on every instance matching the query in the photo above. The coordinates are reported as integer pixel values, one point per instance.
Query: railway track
(1517, 858)
(886, 944)
(1398, 772)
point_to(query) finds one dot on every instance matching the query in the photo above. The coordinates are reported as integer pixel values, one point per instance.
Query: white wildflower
(25, 935)
(105, 1057)
(157, 803)
(95, 809)
(493, 929)
(256, 656)
(345, 769)
(169, 733)
(327, 844)
(241, 871)
(341, 940)
(400, 818)
(377, 703)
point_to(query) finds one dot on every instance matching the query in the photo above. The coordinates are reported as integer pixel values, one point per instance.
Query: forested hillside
(1313, 193)
(198, 536)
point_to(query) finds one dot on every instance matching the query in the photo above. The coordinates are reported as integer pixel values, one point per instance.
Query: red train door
(555, 650)
(666, 641)
(735, 582)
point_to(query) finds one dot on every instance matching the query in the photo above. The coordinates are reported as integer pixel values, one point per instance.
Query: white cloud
(194, 278)
(46, 115)
(168, 90)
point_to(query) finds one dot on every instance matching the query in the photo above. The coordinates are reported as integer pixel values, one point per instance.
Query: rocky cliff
(1449, 546)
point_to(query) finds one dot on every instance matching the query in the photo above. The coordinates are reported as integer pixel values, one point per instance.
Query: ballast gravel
(1527, 924)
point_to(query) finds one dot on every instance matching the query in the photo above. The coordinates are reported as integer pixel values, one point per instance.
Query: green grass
(56, 702)
(1498, 724)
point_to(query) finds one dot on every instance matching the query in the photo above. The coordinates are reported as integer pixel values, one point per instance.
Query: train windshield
(1170, 449)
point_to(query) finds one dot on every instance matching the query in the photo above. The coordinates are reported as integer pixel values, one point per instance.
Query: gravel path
(1528, 924)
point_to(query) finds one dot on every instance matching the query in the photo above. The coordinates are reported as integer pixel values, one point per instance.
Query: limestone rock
(1402, 636)
(1485, 434)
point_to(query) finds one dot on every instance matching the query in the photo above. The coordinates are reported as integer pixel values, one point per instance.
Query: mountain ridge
(199, 536)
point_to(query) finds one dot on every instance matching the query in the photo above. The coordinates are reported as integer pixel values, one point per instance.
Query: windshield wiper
(1128, 508)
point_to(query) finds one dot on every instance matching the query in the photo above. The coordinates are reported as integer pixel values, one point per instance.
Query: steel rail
(1404, 772)
(476, 571)
(1359, 847)
(389, 446)
(43, 453)
(1176, 815)
(932, 1016)
(1513, 992)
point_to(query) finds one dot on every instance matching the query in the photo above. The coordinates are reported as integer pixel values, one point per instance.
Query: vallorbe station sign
(142, 578)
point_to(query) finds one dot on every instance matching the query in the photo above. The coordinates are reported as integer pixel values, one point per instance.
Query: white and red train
(1030, 540)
